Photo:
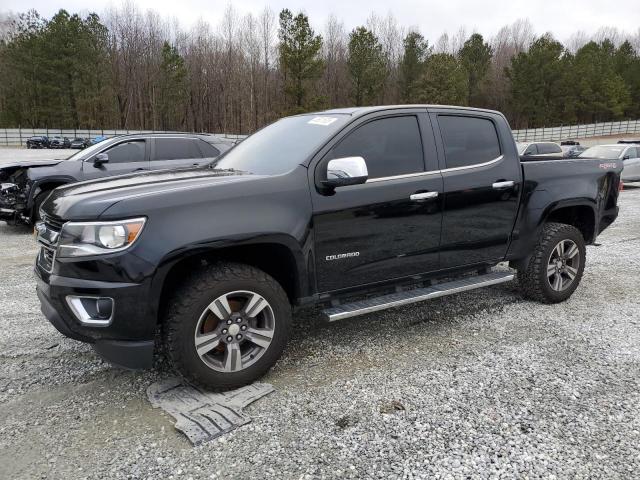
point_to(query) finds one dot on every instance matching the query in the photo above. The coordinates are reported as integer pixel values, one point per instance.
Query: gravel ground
(479, 385)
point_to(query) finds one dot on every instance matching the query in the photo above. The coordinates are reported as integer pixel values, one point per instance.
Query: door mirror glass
(346, 171)
(99, 159)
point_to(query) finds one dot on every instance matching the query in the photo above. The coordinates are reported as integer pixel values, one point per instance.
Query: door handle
(503, 185)
(416, 197)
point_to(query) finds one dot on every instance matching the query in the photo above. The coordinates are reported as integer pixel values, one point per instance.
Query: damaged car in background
(24, 185)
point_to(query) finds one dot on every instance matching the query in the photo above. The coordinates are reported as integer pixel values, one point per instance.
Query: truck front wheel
(556, 264)
(227, 325)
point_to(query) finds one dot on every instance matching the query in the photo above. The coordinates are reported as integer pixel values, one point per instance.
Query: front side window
(175, 149)
(532, 150)
(390, 146)
(468, 140)
(127, 152)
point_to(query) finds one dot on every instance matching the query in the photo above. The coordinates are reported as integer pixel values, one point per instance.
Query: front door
(124, 157)
(376, 231)
(482, 181)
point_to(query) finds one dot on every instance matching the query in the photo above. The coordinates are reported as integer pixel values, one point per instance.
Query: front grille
(52, 222)
(48, 239)
(46, 258)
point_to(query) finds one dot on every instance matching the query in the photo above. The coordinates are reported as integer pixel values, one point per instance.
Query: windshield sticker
(324, 121)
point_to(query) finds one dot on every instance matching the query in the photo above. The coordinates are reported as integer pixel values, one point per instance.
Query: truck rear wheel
(556, 265)
(227, 326)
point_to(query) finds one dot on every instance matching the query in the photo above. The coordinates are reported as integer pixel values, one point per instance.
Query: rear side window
(176, 149)
(127, 152)
(208, 150)
(546, 148)
(390, 146)
(468, 140)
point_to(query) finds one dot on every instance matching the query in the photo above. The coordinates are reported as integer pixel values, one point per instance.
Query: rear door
(482, 180)
(388, 227)
(175, 152)
(124, 157)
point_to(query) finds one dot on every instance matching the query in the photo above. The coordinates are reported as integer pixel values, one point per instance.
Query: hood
(92, 198)
(30, 163)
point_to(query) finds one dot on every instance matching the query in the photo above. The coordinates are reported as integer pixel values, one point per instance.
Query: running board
(416, 295)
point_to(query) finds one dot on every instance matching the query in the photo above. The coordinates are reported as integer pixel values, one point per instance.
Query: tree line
(134, 70)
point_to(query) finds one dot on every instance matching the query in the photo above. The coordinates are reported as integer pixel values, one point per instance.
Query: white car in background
(629, 154)
(539, 149)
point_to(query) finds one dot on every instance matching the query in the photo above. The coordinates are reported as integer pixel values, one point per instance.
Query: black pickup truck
(356, 210)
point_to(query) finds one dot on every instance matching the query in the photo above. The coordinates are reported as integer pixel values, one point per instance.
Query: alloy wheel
(234, 331)
(563, 265)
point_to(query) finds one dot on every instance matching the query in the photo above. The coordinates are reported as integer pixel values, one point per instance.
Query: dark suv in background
(38, 142)
(60, 142)
(25, 184)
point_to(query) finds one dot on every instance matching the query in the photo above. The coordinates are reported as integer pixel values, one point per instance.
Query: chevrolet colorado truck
(355, 210)
(25, 184)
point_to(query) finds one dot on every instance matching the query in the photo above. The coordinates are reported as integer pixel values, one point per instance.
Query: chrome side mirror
(346, 171)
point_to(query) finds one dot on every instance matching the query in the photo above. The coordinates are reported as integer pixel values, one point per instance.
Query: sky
(432, 18)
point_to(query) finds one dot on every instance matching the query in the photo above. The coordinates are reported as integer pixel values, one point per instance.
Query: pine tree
(475, 56)
(300, 60)
(366, 65)
(627, 65)
(540, 92)
(173, 92)
(416, 49)
(602, 94)
(443, 82)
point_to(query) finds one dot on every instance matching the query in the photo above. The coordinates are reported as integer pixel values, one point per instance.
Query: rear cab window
(468, 140)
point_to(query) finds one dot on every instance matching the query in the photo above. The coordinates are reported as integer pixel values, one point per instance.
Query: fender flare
(301, 279)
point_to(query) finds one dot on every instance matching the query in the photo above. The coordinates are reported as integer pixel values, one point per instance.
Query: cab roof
(357, 111)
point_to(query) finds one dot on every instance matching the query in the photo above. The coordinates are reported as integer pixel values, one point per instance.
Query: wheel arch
(579, 214)
(45, 184)
(276, 258)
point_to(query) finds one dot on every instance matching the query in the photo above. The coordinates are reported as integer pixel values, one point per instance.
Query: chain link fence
(14, 137)
(567, 132)
(19, 136)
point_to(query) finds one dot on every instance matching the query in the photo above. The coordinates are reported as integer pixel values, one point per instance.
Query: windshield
(87, 152)
(279, 147)
(604, 152)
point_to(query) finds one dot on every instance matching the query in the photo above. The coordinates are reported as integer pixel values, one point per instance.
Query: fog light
(91, 311)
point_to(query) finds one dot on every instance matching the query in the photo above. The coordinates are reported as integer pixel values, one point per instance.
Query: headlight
(80, 239)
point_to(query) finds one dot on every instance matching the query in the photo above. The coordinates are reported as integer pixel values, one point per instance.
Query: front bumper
(127, 341)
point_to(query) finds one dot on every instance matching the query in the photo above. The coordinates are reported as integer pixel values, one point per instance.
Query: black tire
(35, 213)
(192, 298)
(534, 279)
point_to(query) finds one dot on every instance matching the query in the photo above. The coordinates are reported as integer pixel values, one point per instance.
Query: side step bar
(416, 295)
